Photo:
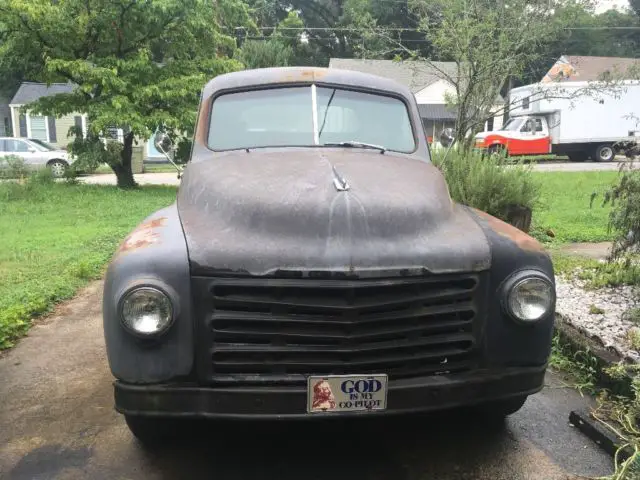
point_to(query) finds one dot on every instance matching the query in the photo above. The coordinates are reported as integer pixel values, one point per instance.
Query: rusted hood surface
(261, 212)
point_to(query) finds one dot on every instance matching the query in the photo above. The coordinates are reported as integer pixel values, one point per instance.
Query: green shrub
(90, 152)
(624, 219)
(31, 185)
(489, 183)
(12, 166)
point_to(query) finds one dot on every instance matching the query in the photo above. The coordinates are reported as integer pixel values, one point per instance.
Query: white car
(36, 154)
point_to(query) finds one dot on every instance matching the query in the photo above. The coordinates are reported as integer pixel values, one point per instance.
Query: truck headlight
(529, 297)
(146, 311)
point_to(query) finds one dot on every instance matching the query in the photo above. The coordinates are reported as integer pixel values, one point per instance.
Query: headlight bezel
(516, 279)
(158, 287)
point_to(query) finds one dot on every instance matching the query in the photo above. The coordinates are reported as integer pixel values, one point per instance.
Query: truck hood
(336, 211)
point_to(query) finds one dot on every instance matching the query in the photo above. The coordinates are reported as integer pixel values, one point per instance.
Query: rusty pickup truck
(314, 266)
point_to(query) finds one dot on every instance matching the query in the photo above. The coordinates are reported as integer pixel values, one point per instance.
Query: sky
(604, 5)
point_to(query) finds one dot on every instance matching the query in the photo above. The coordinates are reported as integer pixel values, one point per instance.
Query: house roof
(577, 68)
(415, 75)
(436, 111)
(32, 91)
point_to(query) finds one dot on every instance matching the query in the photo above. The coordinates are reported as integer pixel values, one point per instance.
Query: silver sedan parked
(36, 154)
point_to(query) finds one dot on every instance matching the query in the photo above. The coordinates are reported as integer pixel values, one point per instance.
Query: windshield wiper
(353, 144)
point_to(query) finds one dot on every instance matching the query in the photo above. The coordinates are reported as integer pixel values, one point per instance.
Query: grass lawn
(55, 238)
(565, 205)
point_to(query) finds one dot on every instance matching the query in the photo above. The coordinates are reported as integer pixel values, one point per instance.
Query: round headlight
(147, 311)
(530, 299)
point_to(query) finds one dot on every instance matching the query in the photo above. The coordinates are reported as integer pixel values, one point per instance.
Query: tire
(58, 168)
(604, 153)
(497, 150)
(152, 431)
(501, 409)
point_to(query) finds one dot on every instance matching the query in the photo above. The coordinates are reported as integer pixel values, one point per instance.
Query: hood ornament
(339, 182)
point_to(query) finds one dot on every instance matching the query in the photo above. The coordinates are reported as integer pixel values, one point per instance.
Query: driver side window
(532, 125)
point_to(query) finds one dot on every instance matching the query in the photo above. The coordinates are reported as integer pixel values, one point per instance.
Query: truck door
(532, 139)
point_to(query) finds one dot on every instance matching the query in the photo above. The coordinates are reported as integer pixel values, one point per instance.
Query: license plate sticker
(346, 393)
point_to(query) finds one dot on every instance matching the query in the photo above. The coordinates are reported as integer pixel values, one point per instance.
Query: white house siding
(435, 93)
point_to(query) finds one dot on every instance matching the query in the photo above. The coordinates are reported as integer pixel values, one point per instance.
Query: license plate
(346, 393)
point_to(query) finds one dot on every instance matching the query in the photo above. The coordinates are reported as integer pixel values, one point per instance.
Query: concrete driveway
(57, 422)
(171, 178)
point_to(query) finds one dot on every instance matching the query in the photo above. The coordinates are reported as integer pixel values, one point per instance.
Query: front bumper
(403, 396)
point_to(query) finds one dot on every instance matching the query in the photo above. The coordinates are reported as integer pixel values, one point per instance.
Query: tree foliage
(264, 54)
(489, 42)
(135, 65)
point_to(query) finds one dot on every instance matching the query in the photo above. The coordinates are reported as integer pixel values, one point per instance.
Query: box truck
(580, 120)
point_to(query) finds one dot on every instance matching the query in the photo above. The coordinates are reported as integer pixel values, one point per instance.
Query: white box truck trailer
(580, 120)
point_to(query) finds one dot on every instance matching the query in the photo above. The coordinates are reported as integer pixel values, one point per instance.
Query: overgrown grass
(492, 184)
(596, 274)
(617, 405)
(564, 207)
(580, 365)
(56, 237)
(561, 201)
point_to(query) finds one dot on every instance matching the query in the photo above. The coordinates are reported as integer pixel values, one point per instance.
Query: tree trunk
(123, 171)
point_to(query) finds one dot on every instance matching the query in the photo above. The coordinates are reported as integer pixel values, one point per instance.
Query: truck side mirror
(163, 142)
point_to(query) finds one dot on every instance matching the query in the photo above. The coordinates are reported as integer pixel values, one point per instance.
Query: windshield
(41, 145)
(513, 125)
(285, 117)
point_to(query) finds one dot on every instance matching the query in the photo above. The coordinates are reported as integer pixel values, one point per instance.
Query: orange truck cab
(580, 120)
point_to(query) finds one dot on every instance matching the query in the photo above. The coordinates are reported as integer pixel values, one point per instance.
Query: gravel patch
(581, 307)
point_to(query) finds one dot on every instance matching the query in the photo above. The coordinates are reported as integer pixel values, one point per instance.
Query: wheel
(500, 409)
(152, 431)
(604, 153)
(577, 157)
(58, 168)
(497, 150)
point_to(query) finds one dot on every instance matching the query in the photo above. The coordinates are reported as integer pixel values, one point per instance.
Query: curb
(576, 341)
(593, 430)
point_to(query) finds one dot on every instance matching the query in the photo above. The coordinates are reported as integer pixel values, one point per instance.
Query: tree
(136, 65)
(489, 42)
(265, 53)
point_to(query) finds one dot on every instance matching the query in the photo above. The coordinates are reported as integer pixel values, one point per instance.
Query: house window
(39, 128)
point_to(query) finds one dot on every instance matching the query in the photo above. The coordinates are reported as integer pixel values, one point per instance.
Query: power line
(401, 29)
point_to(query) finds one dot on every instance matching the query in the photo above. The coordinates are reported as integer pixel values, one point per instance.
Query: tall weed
(13, 167)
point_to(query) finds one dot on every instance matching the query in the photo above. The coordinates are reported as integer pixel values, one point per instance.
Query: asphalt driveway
(57, 422)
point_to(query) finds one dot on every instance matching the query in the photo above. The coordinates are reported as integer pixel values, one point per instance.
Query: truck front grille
(282, 330)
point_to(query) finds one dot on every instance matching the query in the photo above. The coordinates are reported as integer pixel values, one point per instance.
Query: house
(575, 68)
(5, 117)
(55, 130)
(46, 128)
(429, 85)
